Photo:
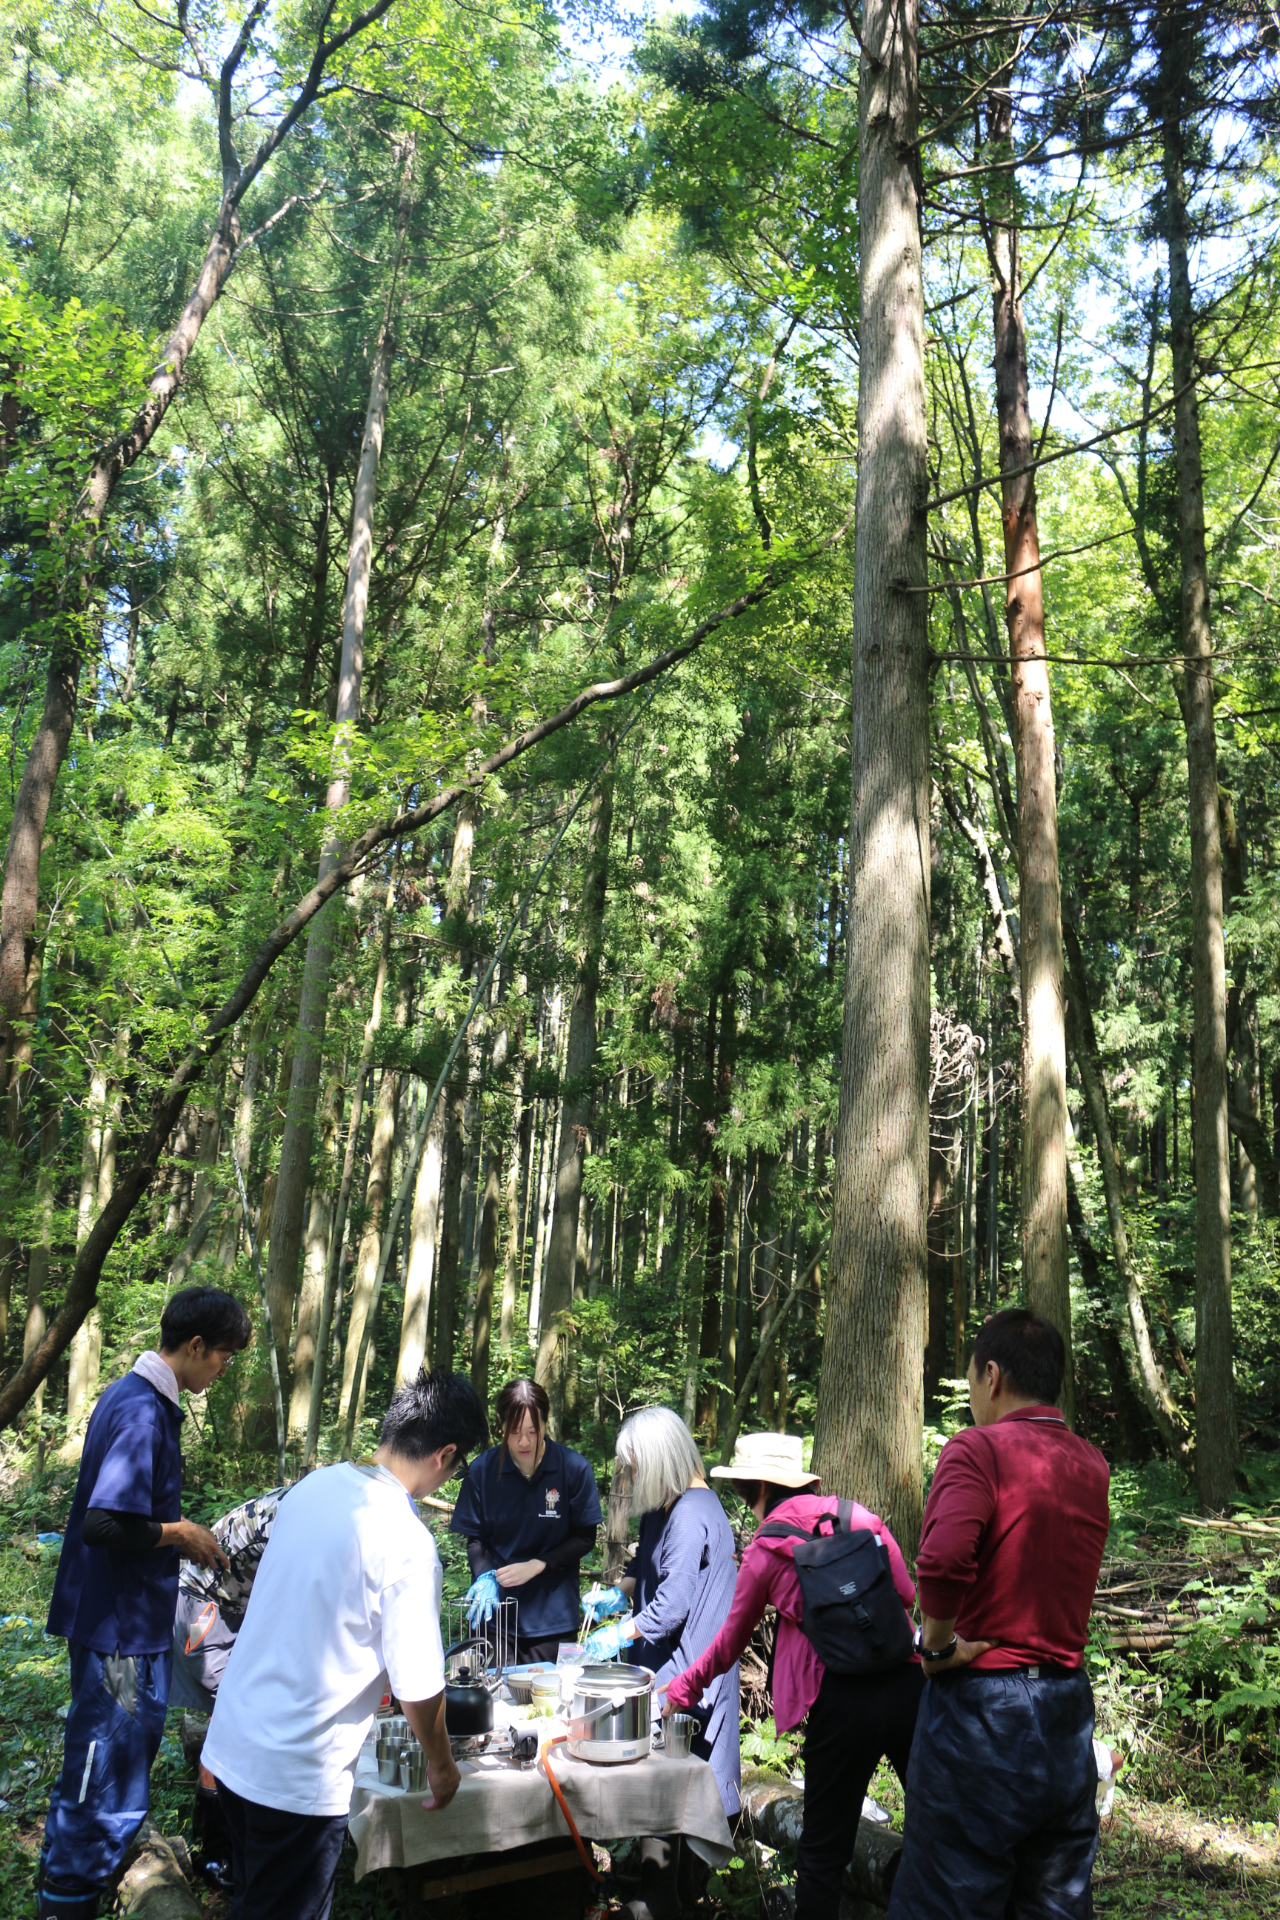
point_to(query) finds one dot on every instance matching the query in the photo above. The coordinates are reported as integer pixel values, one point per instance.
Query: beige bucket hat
(775, 1457)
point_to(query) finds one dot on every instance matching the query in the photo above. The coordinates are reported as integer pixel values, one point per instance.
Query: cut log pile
(1143, 1604)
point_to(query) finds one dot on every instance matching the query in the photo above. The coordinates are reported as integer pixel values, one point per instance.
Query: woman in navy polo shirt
(529, 1510)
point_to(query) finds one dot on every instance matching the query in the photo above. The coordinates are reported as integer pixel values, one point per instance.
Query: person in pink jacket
(853, 1720)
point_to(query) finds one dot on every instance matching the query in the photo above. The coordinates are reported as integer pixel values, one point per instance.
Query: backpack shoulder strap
(844, 1517)
(780, 1530)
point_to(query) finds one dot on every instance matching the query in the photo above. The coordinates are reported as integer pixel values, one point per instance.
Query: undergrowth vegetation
(1198, 1721)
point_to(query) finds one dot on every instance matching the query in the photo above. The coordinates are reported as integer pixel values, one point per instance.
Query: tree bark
(938, 1341)
(337, 1231)
(764, 1284)
(576, 1097)
(729, 1300)
(868, 1435)
(770, 1332)
(1216, 1441)
(36, 1323)
(1044, 1050)
(315, 1258)
(1130, 1413)
(295, 1146)
(16, 1075)
(457, 1144)
(1252, 1135)
(384, 1135)
(548, 1159)
(484, 1279)
(415, 1325)
(86, 1347)
(713, 1252)
(1151, 1375)
(511, 1264)
(364, 1295)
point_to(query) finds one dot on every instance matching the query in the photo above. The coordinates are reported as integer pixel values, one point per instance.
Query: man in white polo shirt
(347, 1596)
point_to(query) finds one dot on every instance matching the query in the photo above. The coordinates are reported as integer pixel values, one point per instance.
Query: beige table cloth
(499, 1806)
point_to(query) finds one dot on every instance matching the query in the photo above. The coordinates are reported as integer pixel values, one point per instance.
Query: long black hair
(517, 1398)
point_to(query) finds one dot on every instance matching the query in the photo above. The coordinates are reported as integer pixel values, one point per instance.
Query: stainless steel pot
(610, 1717)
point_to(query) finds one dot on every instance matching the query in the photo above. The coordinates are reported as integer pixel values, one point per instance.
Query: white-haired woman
(680, 1588)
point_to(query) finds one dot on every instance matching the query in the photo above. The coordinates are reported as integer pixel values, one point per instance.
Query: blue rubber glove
(607, 1643)
(609, 1600)
(481, 1599)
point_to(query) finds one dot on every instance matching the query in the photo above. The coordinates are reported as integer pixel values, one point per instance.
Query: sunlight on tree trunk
(484, 1280)
(868, 1436)
(424, 1222)
(562, 1254)
(1044, 1052)
(1216, 1438)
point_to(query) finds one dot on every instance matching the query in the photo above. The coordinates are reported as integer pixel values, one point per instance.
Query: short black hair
(1028, 1350)
(217, 1317)
(436, 1410)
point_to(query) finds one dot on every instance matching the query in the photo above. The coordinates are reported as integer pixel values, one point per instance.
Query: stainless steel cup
(389, 1752)
(413, 1769)
(678, 1730)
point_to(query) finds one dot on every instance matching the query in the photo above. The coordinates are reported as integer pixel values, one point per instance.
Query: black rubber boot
(210, 1841)
(56, 1903)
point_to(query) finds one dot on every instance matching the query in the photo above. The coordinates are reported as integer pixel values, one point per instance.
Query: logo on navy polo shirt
(553, 1501)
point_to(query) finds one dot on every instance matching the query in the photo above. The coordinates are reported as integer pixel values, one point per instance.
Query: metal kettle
(468, 1703)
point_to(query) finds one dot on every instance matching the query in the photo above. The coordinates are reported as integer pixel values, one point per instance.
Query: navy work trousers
(283, 1865)
(1001, 1822)
(113, 1732)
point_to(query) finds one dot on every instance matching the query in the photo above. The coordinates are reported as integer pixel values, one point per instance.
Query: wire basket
(497, 1635)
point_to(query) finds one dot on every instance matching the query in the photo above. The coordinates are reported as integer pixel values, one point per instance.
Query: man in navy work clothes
(529, 1511)
(115, 1594)
(1001, 1784)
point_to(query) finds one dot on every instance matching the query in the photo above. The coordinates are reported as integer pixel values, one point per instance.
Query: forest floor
(1194, 1709)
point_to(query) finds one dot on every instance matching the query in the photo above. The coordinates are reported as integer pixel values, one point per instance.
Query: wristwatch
(932, 1655)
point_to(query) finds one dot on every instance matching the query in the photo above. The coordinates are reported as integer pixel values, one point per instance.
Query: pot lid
(604, 1679)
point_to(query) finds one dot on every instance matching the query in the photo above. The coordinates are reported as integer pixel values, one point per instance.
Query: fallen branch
(1257, 1528)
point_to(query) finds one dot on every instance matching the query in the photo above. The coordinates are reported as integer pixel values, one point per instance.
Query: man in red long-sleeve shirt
(1001, 1822)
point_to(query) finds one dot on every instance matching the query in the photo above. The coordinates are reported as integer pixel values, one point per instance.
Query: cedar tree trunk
(562, 1255)
(1044, 1046)
(870, 1413)
(295, 1146)
(1216, 1442)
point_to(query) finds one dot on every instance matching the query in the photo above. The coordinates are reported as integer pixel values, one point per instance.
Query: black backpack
(853, 1617)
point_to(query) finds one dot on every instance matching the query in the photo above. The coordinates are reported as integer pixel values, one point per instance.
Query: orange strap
(204, 1620)
(550, 1772)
